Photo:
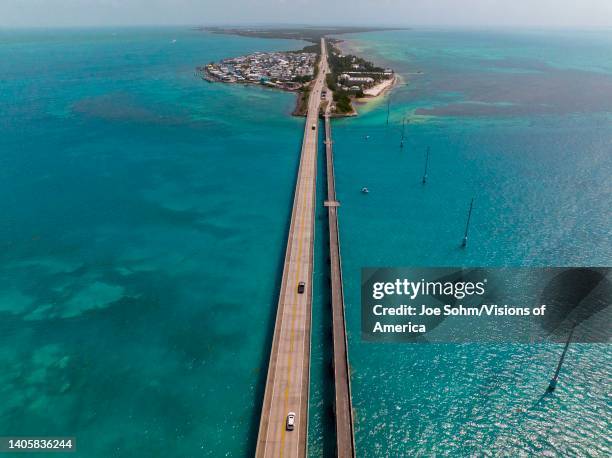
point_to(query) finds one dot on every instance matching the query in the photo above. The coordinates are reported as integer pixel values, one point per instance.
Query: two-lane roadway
(289, 369)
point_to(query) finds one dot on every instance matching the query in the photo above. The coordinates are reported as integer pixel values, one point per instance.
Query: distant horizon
(402, 13)
(388, 27)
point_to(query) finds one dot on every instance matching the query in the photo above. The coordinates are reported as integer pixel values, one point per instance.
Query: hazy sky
(555, 13)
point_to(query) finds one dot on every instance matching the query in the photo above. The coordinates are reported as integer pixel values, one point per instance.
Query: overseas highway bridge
(287, 384)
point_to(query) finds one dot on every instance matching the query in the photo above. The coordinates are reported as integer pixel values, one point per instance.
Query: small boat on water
(365, 190)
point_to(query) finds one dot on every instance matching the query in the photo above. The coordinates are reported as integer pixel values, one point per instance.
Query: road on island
(287, 384)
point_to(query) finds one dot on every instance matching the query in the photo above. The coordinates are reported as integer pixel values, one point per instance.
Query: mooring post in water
(553, 381)
(467, 225)
(426, 164)
(388, 108)
(403, 132)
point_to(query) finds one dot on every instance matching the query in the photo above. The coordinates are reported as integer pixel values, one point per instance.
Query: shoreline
(345, 46)
(252, 83)
(381, 90)
(384, 89)
(371, 95)
(377, 92)
(298, 110)
(206, 76)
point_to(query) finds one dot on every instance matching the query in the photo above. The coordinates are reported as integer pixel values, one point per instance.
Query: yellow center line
(291, 335)
(308, 164)
(302, 210)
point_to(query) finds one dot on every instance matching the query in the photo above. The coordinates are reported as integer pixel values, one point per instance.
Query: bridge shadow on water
(322, 427)
(260, 385)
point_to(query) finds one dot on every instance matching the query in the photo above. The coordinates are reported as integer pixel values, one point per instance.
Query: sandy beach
(382, 87)
(376, 92)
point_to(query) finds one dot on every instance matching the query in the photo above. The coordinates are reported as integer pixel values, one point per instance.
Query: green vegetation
(338, 64)
(342, 98)
(344, 64)
(302, 102)
(302, 79)
(343, 101)
(331, 82)
(316, 49)
(312, 34)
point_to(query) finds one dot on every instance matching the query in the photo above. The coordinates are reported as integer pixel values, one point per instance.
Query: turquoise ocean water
(521, 121)
(145, 213)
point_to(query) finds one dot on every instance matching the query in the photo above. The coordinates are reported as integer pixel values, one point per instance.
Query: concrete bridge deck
(345, 438)
(287, 385)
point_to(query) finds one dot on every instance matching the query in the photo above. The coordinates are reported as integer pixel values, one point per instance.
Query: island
(354, 78)
(284, 70)
(351, 78)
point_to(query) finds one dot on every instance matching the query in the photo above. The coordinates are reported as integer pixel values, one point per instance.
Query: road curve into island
(288, 377)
